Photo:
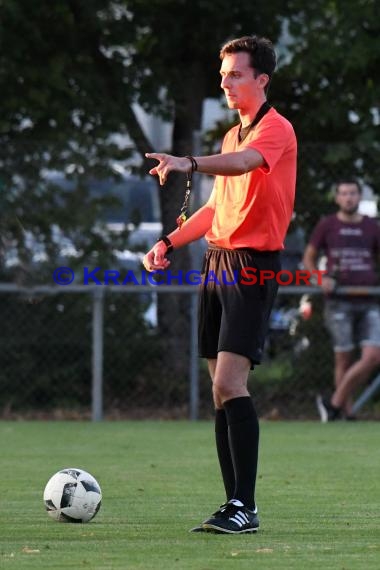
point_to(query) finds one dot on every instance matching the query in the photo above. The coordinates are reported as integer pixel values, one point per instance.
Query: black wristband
(194, 164)
(167, 242)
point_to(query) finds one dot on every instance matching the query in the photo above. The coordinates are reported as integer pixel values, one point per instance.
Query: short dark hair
(261, 51)
(348, 180)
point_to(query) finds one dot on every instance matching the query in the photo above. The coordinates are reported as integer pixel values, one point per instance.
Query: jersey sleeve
(272, 137)
(318, 235)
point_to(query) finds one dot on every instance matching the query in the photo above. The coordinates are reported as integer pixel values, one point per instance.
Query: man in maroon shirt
(351, 243)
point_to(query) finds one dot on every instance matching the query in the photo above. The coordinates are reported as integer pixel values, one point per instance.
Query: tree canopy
(329, 90)
(72, 72)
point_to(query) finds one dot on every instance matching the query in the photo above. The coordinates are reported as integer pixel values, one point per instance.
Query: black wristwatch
(167, 242)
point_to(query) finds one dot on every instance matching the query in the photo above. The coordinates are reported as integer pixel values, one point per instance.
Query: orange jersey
(254, 210)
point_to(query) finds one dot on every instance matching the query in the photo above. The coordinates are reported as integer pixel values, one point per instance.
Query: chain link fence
(111, 352)
(79, 353)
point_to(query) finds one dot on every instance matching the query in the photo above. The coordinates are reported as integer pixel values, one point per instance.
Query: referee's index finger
(156, 155)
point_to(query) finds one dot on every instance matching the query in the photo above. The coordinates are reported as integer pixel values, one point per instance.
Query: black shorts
(234, 310)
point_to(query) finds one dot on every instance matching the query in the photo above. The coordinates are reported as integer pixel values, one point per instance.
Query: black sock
(224, 453)
(243, 431)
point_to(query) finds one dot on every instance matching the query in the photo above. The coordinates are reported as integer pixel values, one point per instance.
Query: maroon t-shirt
(352, 249)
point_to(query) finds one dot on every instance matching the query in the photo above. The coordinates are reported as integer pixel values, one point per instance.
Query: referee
(244, 222)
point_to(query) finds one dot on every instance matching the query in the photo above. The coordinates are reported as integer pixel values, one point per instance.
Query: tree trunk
(174, 308)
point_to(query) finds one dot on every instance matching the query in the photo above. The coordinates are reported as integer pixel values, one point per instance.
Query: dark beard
(351, 211)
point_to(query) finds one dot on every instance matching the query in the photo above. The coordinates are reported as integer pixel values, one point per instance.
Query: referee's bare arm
(194, 228)
(226, 164)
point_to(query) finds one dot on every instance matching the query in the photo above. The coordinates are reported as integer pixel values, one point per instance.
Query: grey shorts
(352, 323)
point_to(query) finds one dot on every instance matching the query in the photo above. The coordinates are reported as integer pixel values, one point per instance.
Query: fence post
(97, 354)
(194, 361)
(367, 394)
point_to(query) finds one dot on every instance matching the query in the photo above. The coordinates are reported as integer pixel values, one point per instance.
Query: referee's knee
(223, 391)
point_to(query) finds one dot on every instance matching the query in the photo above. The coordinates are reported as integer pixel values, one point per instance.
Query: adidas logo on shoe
(233, 518)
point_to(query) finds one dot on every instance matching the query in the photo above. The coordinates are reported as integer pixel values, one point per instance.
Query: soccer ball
(72, 495)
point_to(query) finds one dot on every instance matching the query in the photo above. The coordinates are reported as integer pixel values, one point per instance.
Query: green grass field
(318, 495)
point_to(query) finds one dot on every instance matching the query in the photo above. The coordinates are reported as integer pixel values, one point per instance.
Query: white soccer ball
(72, 495)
